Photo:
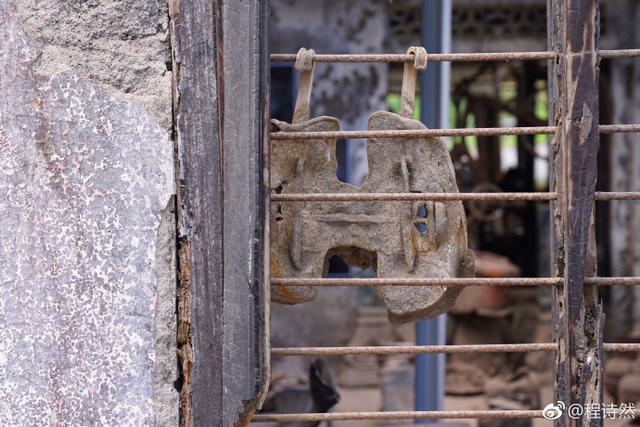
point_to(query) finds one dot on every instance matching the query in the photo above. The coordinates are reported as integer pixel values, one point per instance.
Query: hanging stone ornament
(399, 239)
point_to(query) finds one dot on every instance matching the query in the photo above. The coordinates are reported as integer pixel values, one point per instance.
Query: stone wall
(87, 226)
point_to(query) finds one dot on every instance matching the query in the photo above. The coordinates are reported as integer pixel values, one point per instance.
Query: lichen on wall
(86, 173)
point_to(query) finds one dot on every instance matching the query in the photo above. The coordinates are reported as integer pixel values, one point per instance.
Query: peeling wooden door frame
(573, 32)
(220, 67)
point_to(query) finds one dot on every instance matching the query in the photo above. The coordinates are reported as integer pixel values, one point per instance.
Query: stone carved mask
(399, 239)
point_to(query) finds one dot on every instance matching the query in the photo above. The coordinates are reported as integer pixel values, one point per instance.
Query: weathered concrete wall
(87, 252)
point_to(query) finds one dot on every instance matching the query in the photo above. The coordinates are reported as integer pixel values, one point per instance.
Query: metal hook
(408, 95)
(306, 66)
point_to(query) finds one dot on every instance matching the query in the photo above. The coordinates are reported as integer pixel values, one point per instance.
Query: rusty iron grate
(557, 283)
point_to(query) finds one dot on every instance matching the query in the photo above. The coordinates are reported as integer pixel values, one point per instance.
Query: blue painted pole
(434, 108)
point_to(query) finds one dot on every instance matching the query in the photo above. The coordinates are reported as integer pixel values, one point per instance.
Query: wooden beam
(219, 129)
(246, 66)
(573, 106)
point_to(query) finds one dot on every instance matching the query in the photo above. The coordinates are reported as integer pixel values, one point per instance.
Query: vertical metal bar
(434, 103)
(573, 106)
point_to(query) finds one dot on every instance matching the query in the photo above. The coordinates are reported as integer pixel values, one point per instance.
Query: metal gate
(573, 67)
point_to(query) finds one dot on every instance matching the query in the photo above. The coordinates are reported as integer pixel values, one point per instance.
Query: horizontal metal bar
(617, 195)
(612, 281)
(622, 347)
(417, 133)
(422, 133)
(399, 197)
(619, 53)
(454, 281)
(499, 281)
(436, 349)
(450, 57)
(398, 415)
(609, 129)
(435, 57)
(413, 349)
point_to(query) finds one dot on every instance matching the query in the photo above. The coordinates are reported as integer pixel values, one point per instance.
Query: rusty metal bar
(501, 281)
(399, 197)
(436, 57)
(621, 347)
(352, 134)
(413, 349)
(403, 281)
(436, 349)
(452, 57)
(617, 195)
(398, 415)
(618, 53)
(609, 129)
(418, 133)
(612, 281)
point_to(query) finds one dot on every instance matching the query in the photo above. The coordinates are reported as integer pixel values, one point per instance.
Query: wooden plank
(573, 106)
(219, 123)
(196, 33)
(246, 79)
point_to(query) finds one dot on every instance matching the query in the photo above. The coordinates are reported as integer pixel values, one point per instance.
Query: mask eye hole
(421, 219)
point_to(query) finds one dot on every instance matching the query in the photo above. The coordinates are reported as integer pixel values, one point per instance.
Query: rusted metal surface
(501, 281)
(624, 128)
(533, 130)
(536, 196)
(414, 349)
(434, 349)
(619, 53)
(413, 133)
(448, 349)
(390, 197)
(612, 281)
(385, 236)
(573, 106)
(453, 57)
(621, 347)
(617, 195)
(399, 415)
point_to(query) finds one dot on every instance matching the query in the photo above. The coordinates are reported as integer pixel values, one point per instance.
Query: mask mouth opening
(340, 259)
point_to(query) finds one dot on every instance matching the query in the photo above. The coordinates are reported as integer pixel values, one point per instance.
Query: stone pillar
(87, 223)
